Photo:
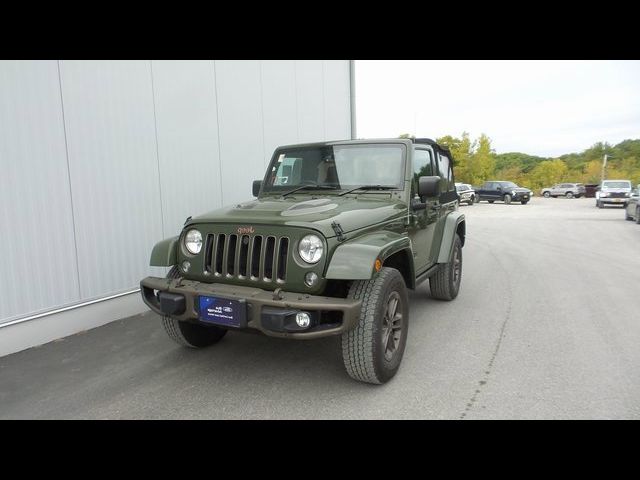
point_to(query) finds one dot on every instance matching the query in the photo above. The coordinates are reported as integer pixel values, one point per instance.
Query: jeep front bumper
(614, 200)
(270, 313)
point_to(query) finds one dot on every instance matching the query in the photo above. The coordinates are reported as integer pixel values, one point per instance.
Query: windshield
(621, 184)
(509, 185)
(338, 166)
(462, 188)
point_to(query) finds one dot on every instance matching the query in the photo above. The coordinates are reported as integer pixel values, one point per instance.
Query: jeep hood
(310, 212)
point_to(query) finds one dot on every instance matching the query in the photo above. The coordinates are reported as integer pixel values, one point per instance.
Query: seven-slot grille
(257, 257)
(617, 195)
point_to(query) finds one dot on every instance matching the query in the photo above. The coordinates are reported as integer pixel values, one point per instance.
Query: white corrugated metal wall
(101, 159)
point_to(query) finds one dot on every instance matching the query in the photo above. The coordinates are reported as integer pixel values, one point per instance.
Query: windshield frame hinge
(337, 228)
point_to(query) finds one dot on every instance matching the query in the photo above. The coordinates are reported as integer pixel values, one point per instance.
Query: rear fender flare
(453, 223)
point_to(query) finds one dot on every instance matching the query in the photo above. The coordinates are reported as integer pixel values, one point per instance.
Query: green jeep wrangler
(338, 233)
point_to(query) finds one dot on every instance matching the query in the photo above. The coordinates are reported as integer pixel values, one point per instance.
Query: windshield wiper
(311, 187)
(368, 187)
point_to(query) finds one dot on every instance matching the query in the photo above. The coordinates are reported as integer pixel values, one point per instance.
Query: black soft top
(434, 145)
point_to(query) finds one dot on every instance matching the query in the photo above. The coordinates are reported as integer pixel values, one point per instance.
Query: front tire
(524, 202)
(372, 351)
(546, 194)
(445, 283)
(638, 216)
(189, 334)
(507, 199)
(599, 204)
(569, 195)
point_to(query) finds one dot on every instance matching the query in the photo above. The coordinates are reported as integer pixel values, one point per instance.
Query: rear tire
(189, 334)
(490, 201)
(372, 351)
(638, 216)
(445, 283)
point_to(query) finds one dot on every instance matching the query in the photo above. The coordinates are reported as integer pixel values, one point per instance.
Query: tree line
(476, 161)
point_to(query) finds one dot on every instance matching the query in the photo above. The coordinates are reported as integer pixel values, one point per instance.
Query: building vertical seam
(215, 93)
(262, 114)
(155, 129)
(73, 213)
(352, 96)
(295, 91)
(324, 108)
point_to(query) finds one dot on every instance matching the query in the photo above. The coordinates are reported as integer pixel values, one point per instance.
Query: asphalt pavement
(546, 326)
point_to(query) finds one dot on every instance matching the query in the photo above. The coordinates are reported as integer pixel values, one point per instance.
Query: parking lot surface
(546, 325)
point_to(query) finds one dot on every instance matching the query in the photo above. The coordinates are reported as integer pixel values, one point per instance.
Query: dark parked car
(590, 190)
(632, 212)
(503, 191)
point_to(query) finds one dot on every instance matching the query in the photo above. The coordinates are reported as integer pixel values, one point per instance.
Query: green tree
(482, 163)
(547, 173)
(461, 151)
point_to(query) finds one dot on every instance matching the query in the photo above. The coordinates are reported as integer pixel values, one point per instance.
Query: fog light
(311, 278)
(302, 319)
(186, 265)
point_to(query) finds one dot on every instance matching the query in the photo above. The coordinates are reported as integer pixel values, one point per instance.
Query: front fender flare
(165, 253)
(355, 259)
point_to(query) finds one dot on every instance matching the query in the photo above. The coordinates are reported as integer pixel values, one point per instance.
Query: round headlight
(193, 241)
(310, 249)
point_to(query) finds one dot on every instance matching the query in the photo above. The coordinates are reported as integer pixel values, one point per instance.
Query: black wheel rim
(392, 325)
(457, 266)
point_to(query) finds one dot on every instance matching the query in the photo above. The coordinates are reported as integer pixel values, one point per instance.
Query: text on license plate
(222, 311)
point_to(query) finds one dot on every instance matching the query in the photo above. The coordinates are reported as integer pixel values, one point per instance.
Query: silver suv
(569, 190)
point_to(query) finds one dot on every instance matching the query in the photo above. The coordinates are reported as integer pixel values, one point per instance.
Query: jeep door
(423, 222)
(447, 202)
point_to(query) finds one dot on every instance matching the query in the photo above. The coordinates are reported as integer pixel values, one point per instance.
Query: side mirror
(257, 184)
(429, 186)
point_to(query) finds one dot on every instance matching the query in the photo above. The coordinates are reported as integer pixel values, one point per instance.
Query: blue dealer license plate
(221, 311)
